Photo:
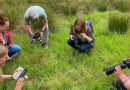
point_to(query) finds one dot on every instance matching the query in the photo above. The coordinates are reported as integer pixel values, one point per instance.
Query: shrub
(69, 9)
(118, 22)
(121, 5)
(51, 19)
(102, 5)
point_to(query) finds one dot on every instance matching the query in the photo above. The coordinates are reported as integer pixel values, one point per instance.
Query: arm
(6, 77)
(19, 84)
(30, 29)
(86, 37)
(27, 20)
(125, 79)
(45, 23)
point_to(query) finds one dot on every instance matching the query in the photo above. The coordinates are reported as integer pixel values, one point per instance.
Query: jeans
(83, 46)
(13, 50)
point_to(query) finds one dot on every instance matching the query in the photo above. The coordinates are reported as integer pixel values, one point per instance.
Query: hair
(3, 18)
(2, 13)
(82, 25)
(3, 51)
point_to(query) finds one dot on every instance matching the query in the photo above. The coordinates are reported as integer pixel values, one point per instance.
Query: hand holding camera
(19, 84)
(37, 37)
(118, 70)
(110, 70)
(83, 35)
(19, 73)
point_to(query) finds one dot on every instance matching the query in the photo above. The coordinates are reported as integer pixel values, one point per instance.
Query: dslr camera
(38, 38)
(123, 65)
(19, 72)
(75, 40)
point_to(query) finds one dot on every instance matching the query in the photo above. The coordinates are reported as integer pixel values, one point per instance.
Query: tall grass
(118, 22)
(102, 5)
(121, 5)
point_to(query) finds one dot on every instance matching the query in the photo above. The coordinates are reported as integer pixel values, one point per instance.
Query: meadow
(57, 68)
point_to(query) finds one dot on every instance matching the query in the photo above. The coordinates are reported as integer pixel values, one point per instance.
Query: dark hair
(2, 20)
(82, 24)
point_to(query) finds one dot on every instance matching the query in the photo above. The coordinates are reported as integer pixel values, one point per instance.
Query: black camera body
(38, 38)
(75, 41)
(110, 70)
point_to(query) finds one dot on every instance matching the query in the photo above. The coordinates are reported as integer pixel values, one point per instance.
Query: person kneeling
(6, 38)
(81, 36)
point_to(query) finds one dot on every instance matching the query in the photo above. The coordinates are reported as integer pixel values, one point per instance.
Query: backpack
(90, 26)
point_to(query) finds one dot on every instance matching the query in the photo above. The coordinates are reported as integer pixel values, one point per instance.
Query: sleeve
(27, 20)
(43, 17)
(90, 34)
(9, 39)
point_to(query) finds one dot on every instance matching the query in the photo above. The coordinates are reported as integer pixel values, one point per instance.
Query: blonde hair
(3, 51)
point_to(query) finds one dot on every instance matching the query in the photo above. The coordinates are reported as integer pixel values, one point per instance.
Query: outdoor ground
(57, 68)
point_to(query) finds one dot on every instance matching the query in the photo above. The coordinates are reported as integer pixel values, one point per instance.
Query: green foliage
(102, 5)
(56, 68)
(118, 22)
(121, 5)
(69, 9)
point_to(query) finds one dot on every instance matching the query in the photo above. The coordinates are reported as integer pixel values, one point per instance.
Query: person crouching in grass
(6, 38)
(81, 36)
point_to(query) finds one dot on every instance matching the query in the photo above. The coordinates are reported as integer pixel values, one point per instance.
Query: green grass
(118, 22)
(56, 68)
(121, 5)
(102, 5)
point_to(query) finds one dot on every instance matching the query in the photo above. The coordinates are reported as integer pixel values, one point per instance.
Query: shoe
(46, 46)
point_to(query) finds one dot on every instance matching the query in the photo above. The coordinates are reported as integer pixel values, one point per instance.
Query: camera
(38, 38)
(75, 41)
(123, 65)
(19, 72)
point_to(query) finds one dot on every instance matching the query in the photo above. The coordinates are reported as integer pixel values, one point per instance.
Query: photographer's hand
(125, 79)
(118, 70)
(19, 84)
(86, 37)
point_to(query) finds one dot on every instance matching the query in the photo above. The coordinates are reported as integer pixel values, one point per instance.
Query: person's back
(34, 11)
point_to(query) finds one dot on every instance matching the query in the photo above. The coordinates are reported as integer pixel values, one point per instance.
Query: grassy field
(56, 68)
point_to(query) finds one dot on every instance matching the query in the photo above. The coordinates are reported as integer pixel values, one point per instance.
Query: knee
(17, 48)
